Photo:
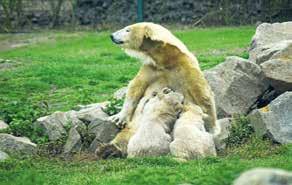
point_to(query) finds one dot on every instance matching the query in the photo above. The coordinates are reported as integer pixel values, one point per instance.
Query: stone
(121, 93)
(266, 34)
(105, 131)
(91, 113)
(274, 120)
(225, 126)
(73, 143)
(3, 125)
(80, 107)
(279, 74)
(280, 50)
(3, 156)
(17, 145)
(54, 125)
(237, 84)
(264, 176)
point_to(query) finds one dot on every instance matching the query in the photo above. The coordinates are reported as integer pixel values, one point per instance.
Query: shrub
(241, 130)
(114, 106)
(20, 115)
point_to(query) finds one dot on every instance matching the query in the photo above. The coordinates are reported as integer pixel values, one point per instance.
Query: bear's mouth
(116, 41)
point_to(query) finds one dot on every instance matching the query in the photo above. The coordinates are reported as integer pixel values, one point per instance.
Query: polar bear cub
(191, 141)
(153, 134)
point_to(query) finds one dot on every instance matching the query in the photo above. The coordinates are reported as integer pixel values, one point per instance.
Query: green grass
(79, 68)
(60, 70)
(143, 171)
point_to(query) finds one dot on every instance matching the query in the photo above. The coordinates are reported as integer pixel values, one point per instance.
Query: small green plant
(114, 106)
(241, 131)
(20, 115)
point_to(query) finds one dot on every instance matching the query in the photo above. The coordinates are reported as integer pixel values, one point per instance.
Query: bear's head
(152, 43)
(165, 102)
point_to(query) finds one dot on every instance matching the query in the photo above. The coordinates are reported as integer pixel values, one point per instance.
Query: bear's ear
(153, 35)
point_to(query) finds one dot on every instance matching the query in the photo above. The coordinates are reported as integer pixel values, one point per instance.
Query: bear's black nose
(112, 37)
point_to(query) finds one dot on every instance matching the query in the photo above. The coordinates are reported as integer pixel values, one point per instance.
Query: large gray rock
(264, 176)
(220, 139)
(280, 50)
(73, 143)
(3, 125)
(266, 34)
(279, 73)
(237, 84)
(54, 125)
(275, 119)
(3, 156)
(105, 131)
(17, 145)
(91, 113)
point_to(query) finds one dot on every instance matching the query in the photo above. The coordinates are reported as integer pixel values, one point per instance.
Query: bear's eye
(127, 30)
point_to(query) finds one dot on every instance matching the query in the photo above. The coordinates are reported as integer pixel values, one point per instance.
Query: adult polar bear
(166, 63)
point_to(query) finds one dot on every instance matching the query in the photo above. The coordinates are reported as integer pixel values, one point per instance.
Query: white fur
(159, 114)
(147, 60)
(191, 141)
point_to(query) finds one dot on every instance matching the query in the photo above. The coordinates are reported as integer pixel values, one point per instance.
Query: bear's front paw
(119, 119)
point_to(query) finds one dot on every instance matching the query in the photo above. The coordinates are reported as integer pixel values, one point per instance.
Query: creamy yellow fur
(167, 63)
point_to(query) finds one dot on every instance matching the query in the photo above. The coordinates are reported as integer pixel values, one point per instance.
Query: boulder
(279, 73)
(225, 126)
(54, 125)
(80, 107)
(3, 156)
(275, 119)
(3, 125)
(264, 176)
(73, 143)
(121, 93)
(237, 84)
(280, 50)
(105, 131)
(91, 113)
(17, 145)
(266, 34)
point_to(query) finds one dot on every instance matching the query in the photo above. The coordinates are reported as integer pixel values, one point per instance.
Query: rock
(280, 50)
(225, 126)
(91, 113)
(54, 124)
(3, 125)
(264, 176)
(121, 93)
(237, 84)
(3, 156)
(80, 107)
(105, 131)
(279, 73)
(275, 119)
(266, 34)
(16, 145)
(73, 143)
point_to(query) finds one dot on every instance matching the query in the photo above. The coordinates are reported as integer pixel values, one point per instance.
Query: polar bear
(166, 62)
(191, 141)
(158, 117)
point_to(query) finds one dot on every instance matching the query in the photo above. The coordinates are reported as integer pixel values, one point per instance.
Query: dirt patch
(7, 64)
(12, 41)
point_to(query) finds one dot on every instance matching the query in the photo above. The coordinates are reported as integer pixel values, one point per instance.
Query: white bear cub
(191, 140)
(159, 114)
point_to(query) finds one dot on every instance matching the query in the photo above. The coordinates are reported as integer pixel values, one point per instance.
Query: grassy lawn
(57, 71)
